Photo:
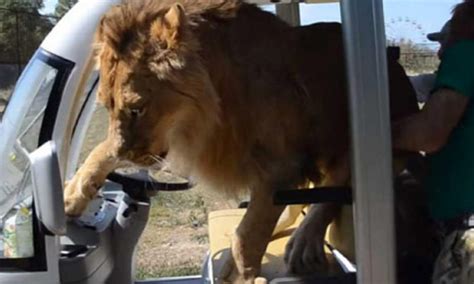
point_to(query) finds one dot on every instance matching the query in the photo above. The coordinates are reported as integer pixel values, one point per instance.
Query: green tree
(415, 57)
(63, 6)
(22, 28)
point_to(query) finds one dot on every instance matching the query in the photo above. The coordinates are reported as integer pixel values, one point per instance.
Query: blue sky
(49, 5)
(410, 19)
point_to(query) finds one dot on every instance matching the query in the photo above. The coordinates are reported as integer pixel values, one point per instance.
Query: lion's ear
(167, 29)
(175, 17)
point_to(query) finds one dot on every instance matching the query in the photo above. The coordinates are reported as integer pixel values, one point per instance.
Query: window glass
(20, 131)
(30, 129)
(96, 131)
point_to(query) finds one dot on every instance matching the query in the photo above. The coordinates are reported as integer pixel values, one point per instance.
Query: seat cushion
(223, 223)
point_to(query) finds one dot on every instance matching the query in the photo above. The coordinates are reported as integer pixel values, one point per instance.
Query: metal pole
(364, 37)
(290, 13)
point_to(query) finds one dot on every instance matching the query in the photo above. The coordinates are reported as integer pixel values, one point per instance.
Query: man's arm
(429, 129)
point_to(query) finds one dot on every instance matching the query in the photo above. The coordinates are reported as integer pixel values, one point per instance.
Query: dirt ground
(175, 240)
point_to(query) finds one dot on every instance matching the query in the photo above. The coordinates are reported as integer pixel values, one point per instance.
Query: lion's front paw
(305, 251)
(75, 201)
(230, 274)
(239, 266)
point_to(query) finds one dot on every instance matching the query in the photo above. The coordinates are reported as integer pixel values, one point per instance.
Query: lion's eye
(136, 112)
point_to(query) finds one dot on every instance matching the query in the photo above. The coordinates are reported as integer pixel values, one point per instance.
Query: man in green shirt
(444, 129)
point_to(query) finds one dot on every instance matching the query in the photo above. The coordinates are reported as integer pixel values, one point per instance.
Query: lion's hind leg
(305, 251)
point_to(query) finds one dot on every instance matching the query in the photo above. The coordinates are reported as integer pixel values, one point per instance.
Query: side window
(30, 129)
(20, 133)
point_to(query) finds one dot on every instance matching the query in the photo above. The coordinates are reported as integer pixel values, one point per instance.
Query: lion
(234, 98)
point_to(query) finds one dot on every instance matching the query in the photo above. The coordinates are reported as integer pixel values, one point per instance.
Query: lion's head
(153, 82)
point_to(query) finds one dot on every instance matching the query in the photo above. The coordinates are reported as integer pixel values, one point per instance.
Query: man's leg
(455, 263)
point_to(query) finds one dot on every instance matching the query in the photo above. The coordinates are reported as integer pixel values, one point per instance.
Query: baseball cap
(442, 34)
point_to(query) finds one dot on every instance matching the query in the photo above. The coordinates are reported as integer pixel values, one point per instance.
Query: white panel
(364, 36)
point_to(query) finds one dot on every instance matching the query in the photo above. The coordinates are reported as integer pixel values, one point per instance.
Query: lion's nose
(135, 154)
(130, 155)
(124, 152)
(127, 150)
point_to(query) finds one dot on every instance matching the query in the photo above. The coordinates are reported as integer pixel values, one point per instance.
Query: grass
(175, 240)
(190, 205)
(190, 269)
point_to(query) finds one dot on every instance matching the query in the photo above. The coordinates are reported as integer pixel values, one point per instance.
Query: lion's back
(321, 63)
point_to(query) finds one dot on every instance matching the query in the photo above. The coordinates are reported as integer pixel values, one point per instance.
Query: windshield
(20, 130)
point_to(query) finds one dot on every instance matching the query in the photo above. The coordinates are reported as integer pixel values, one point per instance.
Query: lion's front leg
(83, 187)
(251, 238)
